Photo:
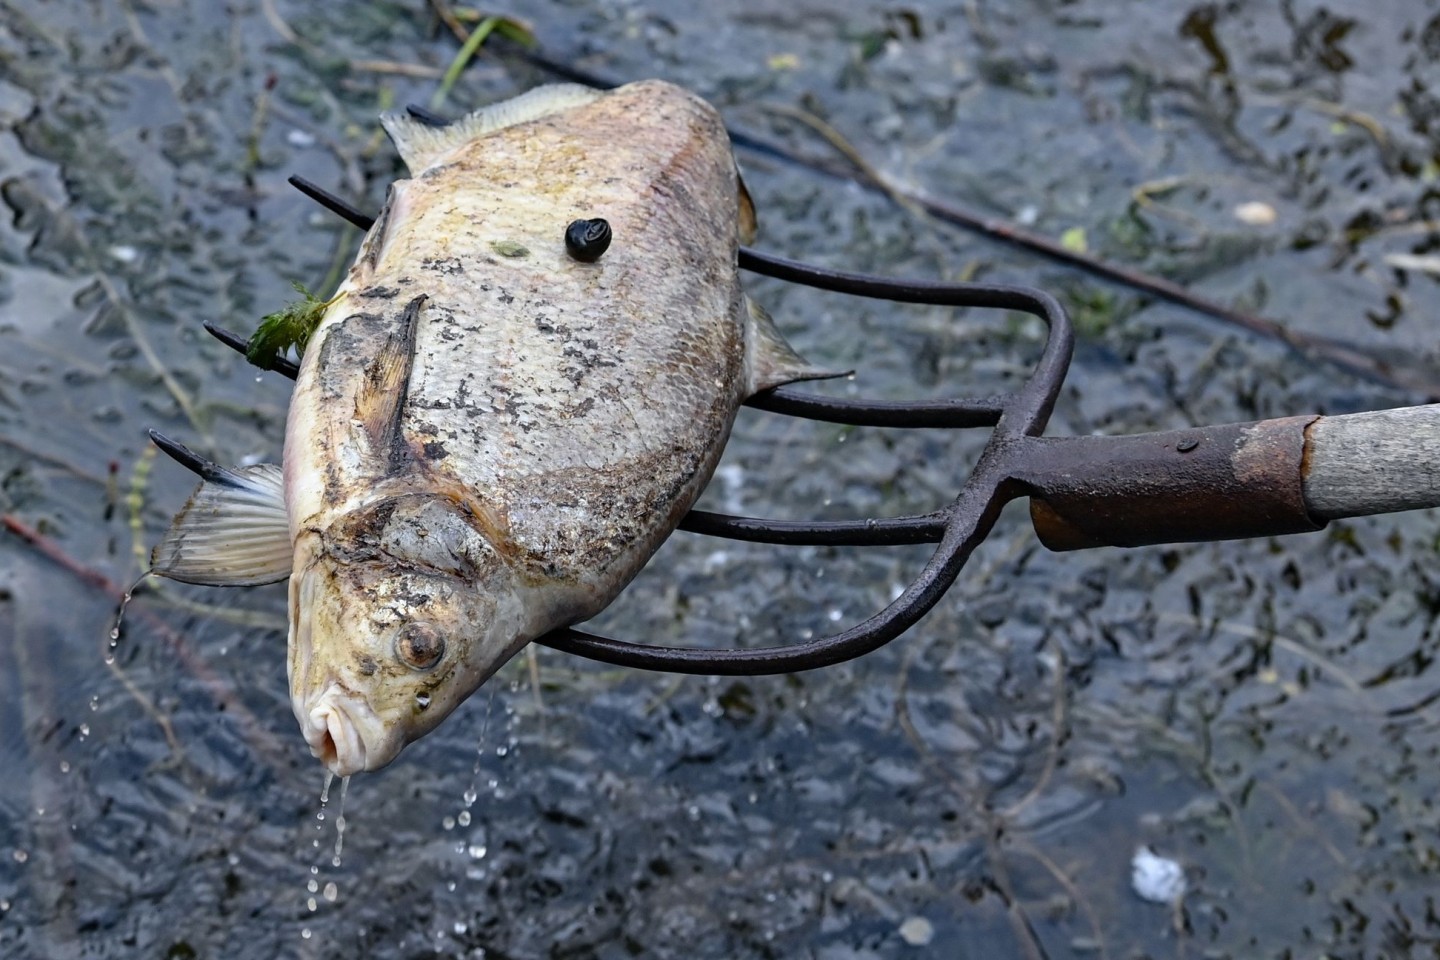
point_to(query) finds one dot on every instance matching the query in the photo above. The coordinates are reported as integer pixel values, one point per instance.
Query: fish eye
(585, 240)
(419, 645)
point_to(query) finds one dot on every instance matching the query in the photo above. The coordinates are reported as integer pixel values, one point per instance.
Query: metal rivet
(1188, 444)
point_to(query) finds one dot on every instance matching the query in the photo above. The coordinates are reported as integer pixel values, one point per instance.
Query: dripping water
(120, 616)
(472, 845)
(312, 885)
(330, 889)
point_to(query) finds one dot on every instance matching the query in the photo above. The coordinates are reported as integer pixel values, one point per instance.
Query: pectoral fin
(770, 360)
(233, 532)
(380, 403)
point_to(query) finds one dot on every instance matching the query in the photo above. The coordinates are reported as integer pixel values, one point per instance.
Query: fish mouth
(345, 734)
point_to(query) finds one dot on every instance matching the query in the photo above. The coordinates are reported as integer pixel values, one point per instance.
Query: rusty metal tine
(922, 528)
(911, 414)
(207, 470)
(332, 203)
(282, 366)
(425, 116)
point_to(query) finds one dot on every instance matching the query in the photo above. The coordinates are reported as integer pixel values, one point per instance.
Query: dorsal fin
(422, 145)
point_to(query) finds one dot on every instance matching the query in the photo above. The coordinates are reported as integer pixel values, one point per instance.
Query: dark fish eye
(419, 645)
(587, 239)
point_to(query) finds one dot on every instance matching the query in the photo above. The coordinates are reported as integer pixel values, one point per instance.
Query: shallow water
(1259, 711)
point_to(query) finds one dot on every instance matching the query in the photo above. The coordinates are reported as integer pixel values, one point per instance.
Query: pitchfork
(1259, 479)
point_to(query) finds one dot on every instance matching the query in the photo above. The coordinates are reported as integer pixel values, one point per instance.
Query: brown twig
(447, 16)
(30, 453)
(1057, 737)
(1000, 873)
(397, 68)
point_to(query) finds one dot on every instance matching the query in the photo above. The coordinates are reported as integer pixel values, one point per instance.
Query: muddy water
(1260, 711)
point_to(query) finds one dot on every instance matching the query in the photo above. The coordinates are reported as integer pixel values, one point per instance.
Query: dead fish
(525, 383)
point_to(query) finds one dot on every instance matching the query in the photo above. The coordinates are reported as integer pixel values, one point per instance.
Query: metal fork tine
(282, 366)
(428, 117)
(912, 414)
(207, 470)
(332, 203)
(894, 531)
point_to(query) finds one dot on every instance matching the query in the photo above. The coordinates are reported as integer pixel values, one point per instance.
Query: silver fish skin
(489, 437)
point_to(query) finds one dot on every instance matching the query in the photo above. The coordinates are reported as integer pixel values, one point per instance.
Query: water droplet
(501, 750)
(340, 823)
(311, 905)
(325, 790)
(332, 890)
(313, 885)
(85, 727)
(4, 905)
(94, 704)
(477, 851)
(448, 823)
(460, 928)
(463, 818)
(469, 796)
(422, 700)
(305, 934)
(21, 856)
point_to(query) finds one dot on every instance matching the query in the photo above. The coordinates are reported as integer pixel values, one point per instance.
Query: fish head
(398, 613)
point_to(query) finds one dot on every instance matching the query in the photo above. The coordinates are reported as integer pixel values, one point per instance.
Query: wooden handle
(1380, 462)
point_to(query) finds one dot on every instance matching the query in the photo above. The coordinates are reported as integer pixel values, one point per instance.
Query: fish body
(490, 436)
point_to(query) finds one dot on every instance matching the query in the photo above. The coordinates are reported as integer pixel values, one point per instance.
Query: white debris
(1155, 878)
(917, 931)
(125, 254)
(299, 138)
(1256, 214)
(1413, 261)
